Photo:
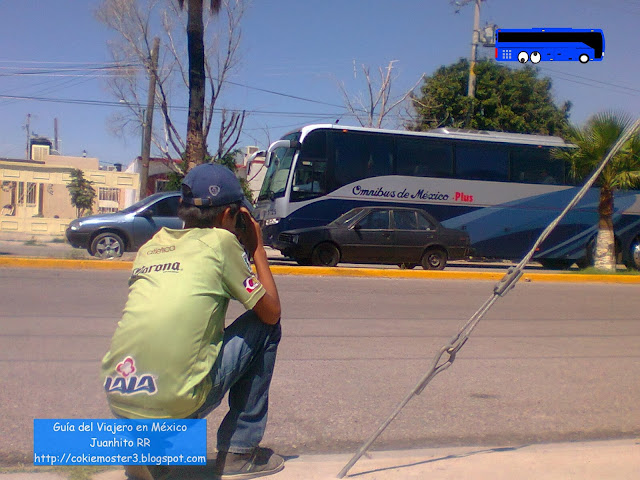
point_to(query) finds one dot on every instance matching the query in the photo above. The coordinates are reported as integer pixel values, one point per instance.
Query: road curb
(26, 262)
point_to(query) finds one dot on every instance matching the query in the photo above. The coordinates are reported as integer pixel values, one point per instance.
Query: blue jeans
(243, 368)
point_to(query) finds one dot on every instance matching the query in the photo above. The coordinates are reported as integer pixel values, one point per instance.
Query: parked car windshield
(143, 203)
(346, 218)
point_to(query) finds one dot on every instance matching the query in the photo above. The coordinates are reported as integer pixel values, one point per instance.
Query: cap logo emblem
(214, 190)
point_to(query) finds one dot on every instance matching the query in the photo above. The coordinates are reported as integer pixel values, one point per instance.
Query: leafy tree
(82, 193)
(506, 100)
(594, 140)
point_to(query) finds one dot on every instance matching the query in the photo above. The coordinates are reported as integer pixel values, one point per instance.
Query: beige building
(34, 198)
(252, 169)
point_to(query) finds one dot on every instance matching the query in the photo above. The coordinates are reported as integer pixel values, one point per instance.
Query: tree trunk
(195, 149)
(605, 254)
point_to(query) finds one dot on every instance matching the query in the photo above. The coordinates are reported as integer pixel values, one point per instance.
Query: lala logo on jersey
(251, 283)
(126, 383)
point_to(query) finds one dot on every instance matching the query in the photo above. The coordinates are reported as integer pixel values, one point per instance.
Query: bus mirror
(250, 160)
(279, 144)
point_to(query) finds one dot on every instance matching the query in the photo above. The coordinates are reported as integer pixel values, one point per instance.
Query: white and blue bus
(502, 188)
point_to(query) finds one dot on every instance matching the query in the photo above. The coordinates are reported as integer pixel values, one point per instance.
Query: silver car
(109, 235)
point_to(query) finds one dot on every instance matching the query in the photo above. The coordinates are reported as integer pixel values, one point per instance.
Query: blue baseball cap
(212, 185)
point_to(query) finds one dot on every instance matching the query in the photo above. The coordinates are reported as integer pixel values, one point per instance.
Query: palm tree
(195, 148)
(594, 140)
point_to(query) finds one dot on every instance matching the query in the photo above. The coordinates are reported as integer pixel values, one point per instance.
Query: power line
(609, 84)
(40, 71)
(114, 67)
(106, 103)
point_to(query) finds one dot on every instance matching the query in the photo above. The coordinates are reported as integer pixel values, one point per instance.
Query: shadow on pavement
(433, 460)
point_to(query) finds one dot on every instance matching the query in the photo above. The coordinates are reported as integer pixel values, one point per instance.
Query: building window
(162, 186)
(27, 193)
(108, 200)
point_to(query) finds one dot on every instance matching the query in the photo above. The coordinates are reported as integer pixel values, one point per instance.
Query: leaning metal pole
(501, 288)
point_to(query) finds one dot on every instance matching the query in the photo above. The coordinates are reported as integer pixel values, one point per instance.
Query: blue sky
(297, 48)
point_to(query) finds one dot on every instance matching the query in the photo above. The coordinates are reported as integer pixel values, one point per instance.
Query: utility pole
(148, 119)
(55, 134)
(471, 93)
(28, 127)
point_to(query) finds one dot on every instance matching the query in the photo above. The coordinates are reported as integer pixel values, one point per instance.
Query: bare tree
(370, 110)
(136, 23)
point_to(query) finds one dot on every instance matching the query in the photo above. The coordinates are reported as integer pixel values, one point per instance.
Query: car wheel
(107, 245)
(434, 259)
(584, 58)
(634, 255)
(325, 255)
(407, 266)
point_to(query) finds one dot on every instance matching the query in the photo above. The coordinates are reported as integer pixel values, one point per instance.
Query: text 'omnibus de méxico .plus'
(502, 188)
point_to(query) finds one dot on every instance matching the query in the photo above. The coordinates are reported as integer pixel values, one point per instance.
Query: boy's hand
(251, 236)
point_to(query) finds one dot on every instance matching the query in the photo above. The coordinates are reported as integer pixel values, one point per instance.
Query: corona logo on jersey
(126, 383)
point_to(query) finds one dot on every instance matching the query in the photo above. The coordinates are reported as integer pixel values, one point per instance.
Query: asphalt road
(40, 249)
(550, 361)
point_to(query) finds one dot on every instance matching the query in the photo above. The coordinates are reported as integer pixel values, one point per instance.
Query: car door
(163, 213)
(412, 232)
(371, 238)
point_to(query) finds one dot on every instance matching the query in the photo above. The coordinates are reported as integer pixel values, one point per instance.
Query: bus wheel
(434, 259)
(583, 263)
(325, 255)
(633, 263)
(555, 263)
(584, 58)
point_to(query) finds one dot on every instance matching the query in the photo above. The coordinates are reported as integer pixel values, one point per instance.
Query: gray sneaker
(259, 462)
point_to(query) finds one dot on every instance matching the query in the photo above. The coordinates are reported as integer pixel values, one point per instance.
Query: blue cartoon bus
(549, 44)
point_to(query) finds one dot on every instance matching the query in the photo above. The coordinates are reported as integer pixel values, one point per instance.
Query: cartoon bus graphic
(549, 44)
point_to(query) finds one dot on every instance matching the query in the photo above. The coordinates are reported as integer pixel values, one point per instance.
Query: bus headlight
(271, 221)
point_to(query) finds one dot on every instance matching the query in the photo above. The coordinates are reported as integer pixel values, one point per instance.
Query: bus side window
(535, 165)
(359, 156)
(309, 179)
(422, 157)
(482, 162)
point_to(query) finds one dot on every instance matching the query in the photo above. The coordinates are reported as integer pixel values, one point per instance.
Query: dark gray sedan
(109, 235)
(388, 235)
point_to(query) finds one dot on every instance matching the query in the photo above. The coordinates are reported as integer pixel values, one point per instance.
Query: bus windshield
(275, 180)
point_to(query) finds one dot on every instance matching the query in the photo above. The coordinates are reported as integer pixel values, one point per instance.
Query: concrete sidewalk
(610, 460)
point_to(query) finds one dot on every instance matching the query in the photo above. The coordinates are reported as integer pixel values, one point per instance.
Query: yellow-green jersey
(173, 322)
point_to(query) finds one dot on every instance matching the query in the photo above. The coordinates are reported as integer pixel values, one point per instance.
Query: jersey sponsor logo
(251, 283)
(160, 267)
(126, 383)
(156, 251)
